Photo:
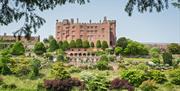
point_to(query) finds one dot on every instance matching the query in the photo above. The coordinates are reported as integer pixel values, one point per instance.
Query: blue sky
(161, 27)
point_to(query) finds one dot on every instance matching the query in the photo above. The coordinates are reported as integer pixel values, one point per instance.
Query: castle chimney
(77, 20)
(72, 20)
(56, 21)
(105, 18)
(100, 21)
(90, 21)
(4, 34)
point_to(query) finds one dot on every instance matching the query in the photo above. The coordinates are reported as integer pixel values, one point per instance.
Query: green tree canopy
(60, 43)
(104, 45)
(39, 48)
(79, 43)
(174, 48)
(17, 49)
(53, 45)
(72, 44)
(122, 42)
(92, 44)
(167, 58)
(86, 44)
(98, 44)
(118, 50)
(65, 45)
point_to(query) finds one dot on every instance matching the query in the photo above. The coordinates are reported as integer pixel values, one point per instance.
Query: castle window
(95, 26)
(81, 36)
(73, 27)
(91, 26)
(81, 31)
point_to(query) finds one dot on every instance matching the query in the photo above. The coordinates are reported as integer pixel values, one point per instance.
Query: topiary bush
(17, 49)
(167, 58)
(149, 85)
(134, 76)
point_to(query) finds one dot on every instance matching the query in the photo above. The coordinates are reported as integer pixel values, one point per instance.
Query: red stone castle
(70, 30)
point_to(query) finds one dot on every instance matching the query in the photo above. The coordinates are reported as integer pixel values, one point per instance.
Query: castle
(70, 30)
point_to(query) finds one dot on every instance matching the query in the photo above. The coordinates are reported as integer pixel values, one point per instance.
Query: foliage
(17, 49)
(104, 45)
(122, 42)
(174, 48)
(74, 70)
(149, 85)
(92, 44)
(167, 58)
(60, 43)
(156, 60)
(175, 76)
(118, 50)
(61, 58)
(17, 10)
(35, 65)
(98, 44)
(60, 51)
(58, 70)
(4, 69)
(157, 76)
(146, 5)
(72, 44)
(53, 45)
(99, 53)
(61, 85)
(121, 84)
(134, 76)
(97, 83)
(79, 43)
(65, 45)
(102, 64)
(135, 48)
(154, 52)
(20, 67)
(39, 48)
(86, 44)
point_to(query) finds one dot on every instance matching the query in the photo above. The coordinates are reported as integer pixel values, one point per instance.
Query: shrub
(17, 49)
(4, 69)
(61, 85)
(9, 86)
(149, 85)
(79, 43)
(98, 44)
(74, 70)
(167, 58)
(92, 44)
(102, 65)
(134, 76)
(85, 44)
(118, 50)
(58, 70)
(97, 83)
(39, 48)
(175, 76)
(104, 45)
(157, 76)
(121, 84)
(156, 60)
(72, 44)
(34, 67)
